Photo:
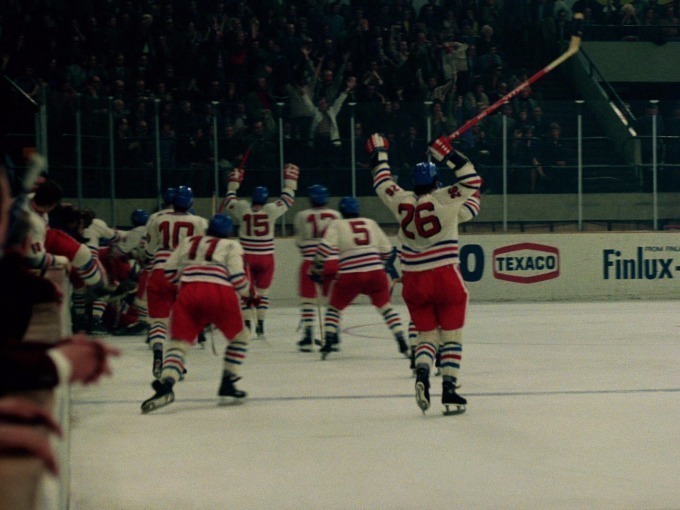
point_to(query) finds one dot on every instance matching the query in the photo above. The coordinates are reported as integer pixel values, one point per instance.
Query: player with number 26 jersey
(433, 288)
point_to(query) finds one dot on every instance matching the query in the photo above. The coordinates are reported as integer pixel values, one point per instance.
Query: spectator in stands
(495, 123)
(472, 98)
(554, 158)
(670, 23)
(527, 174)
(523, 101)
(629, 22)
(324, 131)
(541, 124)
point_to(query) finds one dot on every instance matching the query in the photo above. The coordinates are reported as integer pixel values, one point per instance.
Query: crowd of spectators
(238, 67)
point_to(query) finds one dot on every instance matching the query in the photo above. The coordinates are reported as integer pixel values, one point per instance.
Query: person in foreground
(433, 288)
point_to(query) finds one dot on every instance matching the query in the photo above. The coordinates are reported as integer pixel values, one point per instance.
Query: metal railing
(92, 158)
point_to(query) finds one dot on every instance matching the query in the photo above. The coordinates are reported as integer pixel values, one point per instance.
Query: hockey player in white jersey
(256, 219)
(210, 272)
(97, 233)
(433, 288)
(146, 262)
(134, 318)
(362, 248)
(164, 233)
(310, 226)
(469, 211)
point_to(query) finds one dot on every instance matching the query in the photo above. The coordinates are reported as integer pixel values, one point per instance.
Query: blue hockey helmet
(184, 198)
(169, 196)
(349, 205)
(425, 174)
(220, 226)
(260, 195)
(139, 217)
(318, 194)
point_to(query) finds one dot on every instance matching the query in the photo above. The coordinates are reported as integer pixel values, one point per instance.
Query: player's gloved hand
(316, 273)
(235, 179)
(377, 146)
(442, 151)
(291, 173)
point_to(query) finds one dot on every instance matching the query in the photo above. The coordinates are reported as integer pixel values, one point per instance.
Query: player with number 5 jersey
(433, 288)
(362, 249)
(256, 221)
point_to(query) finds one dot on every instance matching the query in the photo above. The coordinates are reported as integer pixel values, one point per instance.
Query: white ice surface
(571, 405)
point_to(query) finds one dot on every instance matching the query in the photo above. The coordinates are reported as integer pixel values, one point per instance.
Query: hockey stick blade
(574, 46)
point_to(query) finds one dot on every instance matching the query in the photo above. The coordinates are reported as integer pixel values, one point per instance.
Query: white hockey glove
(235, 179)
(376, 147)
(291, 173)
(442, 151)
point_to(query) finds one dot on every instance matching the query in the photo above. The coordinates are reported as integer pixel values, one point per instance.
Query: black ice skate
(228, 393)
(247, 323)
(259, 330)
(305, 344)
(413, 361)
(330, 345)
(453, 402)
(98, 328)
(200, 340)
(164, 396)
(423, 388)
(403, 346)
(135, 328)
(157, 361)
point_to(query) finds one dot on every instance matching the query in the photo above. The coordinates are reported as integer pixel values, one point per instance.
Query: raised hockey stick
(574, 45)
(241, 166)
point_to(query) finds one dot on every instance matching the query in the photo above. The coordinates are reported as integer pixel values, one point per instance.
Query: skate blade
(453, 409)
(230, 400)
(305, 349)
(421, 399)
(153, 404)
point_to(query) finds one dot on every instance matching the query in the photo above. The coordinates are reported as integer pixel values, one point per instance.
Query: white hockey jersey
(256, 223)
(165, 232)
(360, 244)
(428, 230)
(99, 231)
(37, 254)
(208, 259)
(310, 227)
